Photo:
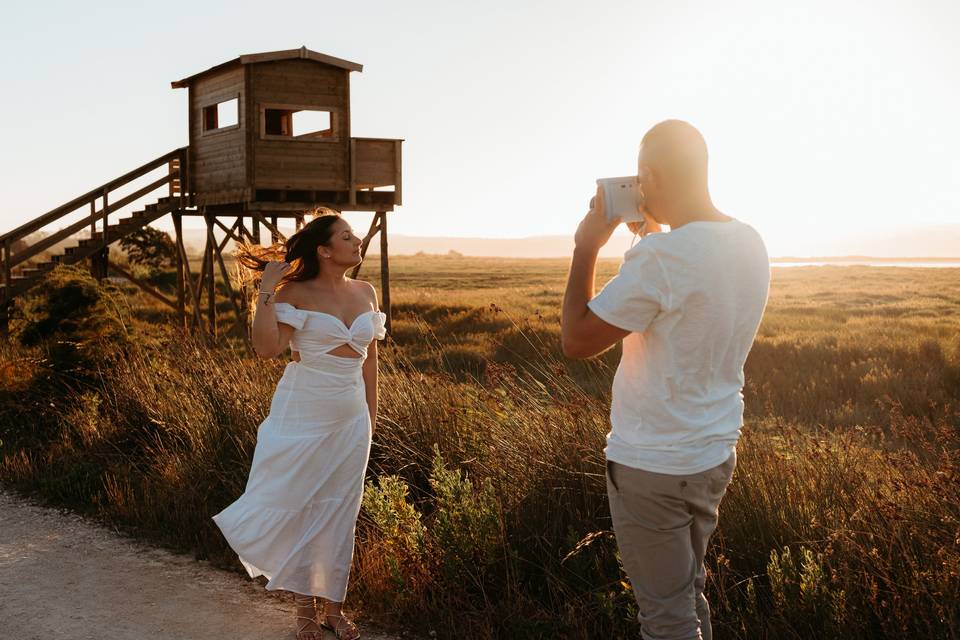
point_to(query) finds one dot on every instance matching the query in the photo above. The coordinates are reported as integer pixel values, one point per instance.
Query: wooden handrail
(68, 231)
(90, 196)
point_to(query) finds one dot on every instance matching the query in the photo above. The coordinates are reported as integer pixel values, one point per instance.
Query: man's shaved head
(677, 152)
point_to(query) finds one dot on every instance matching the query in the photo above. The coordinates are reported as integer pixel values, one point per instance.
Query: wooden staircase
(17, 283)
(86, 247)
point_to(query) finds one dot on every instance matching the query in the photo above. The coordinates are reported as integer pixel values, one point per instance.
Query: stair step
(34, 271)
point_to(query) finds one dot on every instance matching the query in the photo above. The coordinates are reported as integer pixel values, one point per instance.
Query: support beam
(5, 306)
(188, 277)
(211, 285)
(239, 317)
(385, 271)
(143, 285)
(275, 234)
(374, 227)
(230, 230)
(178, 241)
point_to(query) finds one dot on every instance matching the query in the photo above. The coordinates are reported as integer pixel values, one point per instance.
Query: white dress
(295, 521)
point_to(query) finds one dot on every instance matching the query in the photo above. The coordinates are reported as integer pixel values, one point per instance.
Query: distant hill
(929, 241)
(934, 241)
(532, 247)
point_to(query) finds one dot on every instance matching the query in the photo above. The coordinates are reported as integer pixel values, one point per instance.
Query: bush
(74, 319)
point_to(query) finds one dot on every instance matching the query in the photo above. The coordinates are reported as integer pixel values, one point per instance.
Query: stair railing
(176, 178)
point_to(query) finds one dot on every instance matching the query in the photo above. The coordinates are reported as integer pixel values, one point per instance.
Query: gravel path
(63, 576)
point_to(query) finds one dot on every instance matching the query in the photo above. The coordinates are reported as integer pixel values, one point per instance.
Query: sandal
(344, 629)
(303, 622)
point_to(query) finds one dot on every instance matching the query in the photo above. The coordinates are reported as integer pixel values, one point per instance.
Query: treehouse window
(222, 115)
(298, 123)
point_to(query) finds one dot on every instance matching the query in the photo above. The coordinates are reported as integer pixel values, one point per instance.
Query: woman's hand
(272, 274)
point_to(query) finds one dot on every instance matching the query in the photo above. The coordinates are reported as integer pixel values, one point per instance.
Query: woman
(295, 521)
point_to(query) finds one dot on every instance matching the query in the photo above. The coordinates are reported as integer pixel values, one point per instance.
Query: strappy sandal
(303, 622)
(344, 629)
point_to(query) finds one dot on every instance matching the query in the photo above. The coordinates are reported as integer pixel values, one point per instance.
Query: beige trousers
(663, 523)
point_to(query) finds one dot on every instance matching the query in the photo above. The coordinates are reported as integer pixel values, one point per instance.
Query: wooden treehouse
(269, 138)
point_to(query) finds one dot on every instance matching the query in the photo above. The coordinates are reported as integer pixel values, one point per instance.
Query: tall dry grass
(485, 513)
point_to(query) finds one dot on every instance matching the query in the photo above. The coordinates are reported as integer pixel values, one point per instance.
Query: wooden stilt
(188, 278)
(374, 227)
(384, 271)
(211, 288)
(275, 234)
(238, 314)
(256, 229)
(178, 240)
(5, 299)
(5, 306)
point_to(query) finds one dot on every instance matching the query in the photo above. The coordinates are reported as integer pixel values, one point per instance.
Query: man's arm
(582, 333)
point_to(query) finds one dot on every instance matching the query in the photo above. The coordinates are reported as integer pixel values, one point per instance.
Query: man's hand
(649, 225)
(594, 230)
(645, 228)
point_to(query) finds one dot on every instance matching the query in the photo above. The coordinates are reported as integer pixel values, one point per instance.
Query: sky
(825, 120)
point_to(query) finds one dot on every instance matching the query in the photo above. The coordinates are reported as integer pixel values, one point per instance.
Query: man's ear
(648, 175)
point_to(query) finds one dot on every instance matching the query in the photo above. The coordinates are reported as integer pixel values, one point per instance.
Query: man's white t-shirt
(692, 299)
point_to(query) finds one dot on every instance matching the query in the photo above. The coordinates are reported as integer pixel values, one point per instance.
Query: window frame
(334, 122)
(203, 117)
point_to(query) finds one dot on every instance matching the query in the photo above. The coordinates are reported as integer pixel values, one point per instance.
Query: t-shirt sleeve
(634, 297)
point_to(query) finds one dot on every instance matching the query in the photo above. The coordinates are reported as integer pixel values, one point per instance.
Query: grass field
(485, 514)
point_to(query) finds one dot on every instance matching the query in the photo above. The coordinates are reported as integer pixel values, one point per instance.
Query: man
(687, 304)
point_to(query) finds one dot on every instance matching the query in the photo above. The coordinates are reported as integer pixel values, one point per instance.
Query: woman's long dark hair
(300, 249)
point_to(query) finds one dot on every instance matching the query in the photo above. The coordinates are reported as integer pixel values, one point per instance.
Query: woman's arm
(370, 375)
(370, 381)
(270, 337)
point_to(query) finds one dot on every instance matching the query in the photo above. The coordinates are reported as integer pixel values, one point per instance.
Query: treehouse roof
(272, 56)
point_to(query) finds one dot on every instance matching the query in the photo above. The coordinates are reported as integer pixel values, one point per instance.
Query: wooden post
(5, 305)
(384, 270)
(239, 315)
(211, 291)
(7, 279)
(178, 231)
(366, 243)
(188, 277)
(105, 251)
(256, 229)
(274, 236)
(352, 198)
(93, 230)
(299, 221)
(5, 300)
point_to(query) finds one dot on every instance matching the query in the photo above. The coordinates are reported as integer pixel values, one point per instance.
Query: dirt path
(62, 576)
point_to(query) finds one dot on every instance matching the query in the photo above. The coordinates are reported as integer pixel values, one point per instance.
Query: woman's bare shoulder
(366, 289)
(288, 292)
